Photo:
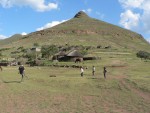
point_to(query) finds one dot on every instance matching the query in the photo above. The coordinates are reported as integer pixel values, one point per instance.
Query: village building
(73, 55)
(35, 49)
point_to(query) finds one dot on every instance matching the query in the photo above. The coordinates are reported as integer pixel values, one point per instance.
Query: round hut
(75, 56)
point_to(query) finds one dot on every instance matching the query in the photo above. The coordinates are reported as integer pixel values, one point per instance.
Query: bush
(83, 52)
(143, 54)
(99, 46)
(49, 50)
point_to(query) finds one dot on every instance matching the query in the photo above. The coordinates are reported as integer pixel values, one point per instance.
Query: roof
(61, 53)
(75, 53)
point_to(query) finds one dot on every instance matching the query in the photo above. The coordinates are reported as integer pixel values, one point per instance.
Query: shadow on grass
(12, 82)
(93, 78)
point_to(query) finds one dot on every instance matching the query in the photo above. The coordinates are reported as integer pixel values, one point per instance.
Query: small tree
(36, 45)
(83, 52)
(48, 51)
(143, 54)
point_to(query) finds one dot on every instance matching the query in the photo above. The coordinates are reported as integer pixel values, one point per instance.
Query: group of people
(93, 71)
(22, 71)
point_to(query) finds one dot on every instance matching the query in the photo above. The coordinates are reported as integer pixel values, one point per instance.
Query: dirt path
(125, 85)
(144, 95)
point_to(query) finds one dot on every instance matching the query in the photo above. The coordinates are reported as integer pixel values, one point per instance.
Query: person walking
(21, 72)
(93, 70)
(105, 72)
(82, 71)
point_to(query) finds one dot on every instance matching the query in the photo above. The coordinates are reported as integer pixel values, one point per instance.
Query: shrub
(49, 50)
(99, 46)
(143, 54)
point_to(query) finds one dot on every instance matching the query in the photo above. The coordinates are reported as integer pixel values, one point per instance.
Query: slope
(11, 40)
(84, 30)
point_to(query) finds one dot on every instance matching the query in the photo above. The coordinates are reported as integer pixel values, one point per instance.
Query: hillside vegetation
(82, 30)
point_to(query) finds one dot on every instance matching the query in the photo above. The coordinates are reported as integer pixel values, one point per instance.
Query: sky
(26, 16)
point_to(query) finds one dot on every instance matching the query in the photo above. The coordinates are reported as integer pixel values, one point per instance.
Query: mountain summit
(81, 14)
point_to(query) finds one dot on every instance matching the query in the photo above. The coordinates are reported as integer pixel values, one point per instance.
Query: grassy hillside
(11, 40)
(83, 30)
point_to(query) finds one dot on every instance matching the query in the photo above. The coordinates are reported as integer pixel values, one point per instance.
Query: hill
(11, 40)
(82, 30)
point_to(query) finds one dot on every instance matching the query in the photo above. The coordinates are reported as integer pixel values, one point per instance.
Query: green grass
(124, 91)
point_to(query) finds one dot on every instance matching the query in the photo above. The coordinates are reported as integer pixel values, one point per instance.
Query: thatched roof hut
(75, 53)
(75, 56)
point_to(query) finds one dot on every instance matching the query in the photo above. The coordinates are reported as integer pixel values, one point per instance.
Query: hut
(75, 56)
(35, 49)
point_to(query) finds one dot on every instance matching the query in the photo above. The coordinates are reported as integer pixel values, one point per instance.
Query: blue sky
(26, 16)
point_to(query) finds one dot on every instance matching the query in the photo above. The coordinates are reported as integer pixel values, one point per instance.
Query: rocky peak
(81, 14)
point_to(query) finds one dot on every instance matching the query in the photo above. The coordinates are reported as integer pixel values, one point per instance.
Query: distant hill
(11, 41)
(82, 30)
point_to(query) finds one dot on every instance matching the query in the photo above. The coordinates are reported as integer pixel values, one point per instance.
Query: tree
(36, 45)
(83, 52)
(143, 54)
(49, 50)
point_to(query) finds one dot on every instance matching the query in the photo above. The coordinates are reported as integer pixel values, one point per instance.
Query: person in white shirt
(93, 70)
(82, 71)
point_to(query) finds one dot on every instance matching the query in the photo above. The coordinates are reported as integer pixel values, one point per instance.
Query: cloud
(136, 14)
(131, 3)
(129, 19)
(49, 25)
(38, 5)
(148, 39)
(89, 10)
(3, 37)
(23, 33)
